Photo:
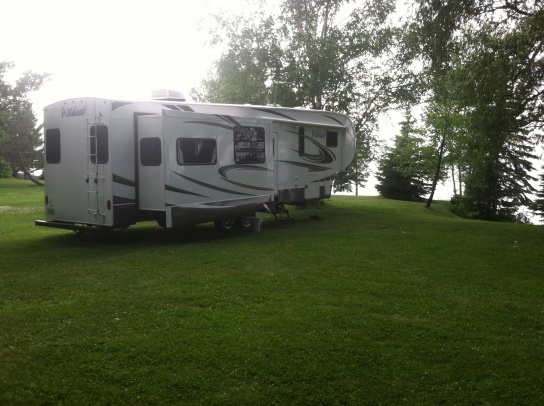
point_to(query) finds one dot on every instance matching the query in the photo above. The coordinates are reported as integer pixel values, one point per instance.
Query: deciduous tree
(491, 54)
(20, 138)
(319, 60)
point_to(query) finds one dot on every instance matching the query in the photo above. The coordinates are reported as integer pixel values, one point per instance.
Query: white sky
(107, 48)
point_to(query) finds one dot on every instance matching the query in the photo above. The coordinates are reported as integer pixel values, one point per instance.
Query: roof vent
(168, 95)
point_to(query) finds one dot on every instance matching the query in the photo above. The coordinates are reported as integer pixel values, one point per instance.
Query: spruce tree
(537, 207)
(404, 171)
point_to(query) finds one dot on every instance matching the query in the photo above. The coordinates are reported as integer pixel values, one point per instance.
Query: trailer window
(249, 145)
(99, 144)
(196, 151)
(301, 141)
(52, 146)
(332, 139)
(150, 151)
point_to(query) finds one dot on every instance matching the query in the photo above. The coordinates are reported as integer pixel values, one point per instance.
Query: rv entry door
(150, 194)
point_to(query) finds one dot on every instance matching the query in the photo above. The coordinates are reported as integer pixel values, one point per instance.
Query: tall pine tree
(405, 170)
(537, 207)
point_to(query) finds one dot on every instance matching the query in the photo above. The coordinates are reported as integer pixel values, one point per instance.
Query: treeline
(468, 73)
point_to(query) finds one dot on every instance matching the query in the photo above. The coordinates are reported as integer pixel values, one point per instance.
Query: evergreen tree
(499, 182)
(537, 207)
(404, 171)
(501, 118)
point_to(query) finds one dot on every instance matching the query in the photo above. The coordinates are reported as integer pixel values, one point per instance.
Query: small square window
(150, 151)
(332, 139)
(301, 141)
(249, 145)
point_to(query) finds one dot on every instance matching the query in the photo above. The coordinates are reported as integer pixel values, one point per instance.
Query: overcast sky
(107, 48)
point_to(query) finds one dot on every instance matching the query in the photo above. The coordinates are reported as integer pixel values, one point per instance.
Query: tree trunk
(437, 173)
(459, 178)
(356, 181)
(31, 177)
(453, 179)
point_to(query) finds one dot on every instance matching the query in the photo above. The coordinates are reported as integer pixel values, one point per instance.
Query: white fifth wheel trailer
(109, 163)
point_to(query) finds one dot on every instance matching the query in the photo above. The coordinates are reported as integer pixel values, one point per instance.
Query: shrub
(5, 169)
(459, 206)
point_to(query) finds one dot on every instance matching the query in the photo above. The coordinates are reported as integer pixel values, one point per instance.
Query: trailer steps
(278, 210)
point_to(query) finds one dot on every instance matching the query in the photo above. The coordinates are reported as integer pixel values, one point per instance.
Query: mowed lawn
(378, 302)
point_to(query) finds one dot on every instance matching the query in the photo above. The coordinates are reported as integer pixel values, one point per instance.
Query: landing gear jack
(318, 216)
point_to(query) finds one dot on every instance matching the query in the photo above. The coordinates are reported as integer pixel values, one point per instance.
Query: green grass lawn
(379, 302)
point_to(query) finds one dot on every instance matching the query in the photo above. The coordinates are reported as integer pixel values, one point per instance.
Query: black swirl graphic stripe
(123, 181)
(333, 119)
(211, 123)
(223, 172)
(230, 119)
(277, 113)
(326, 156)
(312, 168)
(224, 169)
(185, 192)
(245, 185)
(212, 187)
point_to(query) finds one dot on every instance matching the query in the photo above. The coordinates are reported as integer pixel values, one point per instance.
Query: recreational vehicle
(112, 163)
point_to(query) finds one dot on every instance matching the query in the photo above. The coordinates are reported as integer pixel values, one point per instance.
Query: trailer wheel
(243, 223)
(223, 225)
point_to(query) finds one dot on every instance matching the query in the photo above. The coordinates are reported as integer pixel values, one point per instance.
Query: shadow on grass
(143, 235)
(149, 235)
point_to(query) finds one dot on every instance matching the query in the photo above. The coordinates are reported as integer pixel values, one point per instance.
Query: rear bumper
(70, 226)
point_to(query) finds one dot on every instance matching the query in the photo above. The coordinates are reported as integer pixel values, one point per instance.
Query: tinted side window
(99, 144)
(249, 145)
(332, 139)
(196, 151)
(52, 146)
(301, 141)
(150, 151)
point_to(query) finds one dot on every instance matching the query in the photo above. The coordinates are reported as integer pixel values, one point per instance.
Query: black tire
(243, 223)
(225, 224)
